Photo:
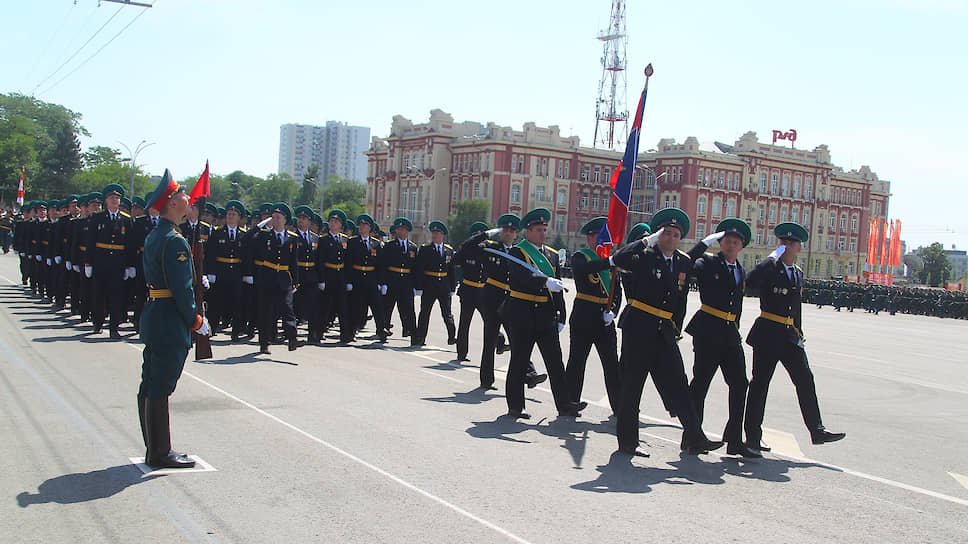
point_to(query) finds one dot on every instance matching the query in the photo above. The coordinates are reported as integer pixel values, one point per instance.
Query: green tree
(275, 188)
(466, 213)
(559, 242)
(937, 267)
(96, 178)
(99, 154)
(307, 193)
(340, 190)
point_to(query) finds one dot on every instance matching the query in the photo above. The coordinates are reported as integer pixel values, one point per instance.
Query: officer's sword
(516, 260)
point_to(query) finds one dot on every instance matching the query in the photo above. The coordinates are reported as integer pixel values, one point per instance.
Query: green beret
(402, 222)
(95, 196)
(438, 226)
(304, 210)
(537, 216)
(348, 224)
(478, 226)
(317, 219)
(365, 218)
(72, 198)
(509, 220)
(265, 208)
(671, 216)
(338, 214)
(138, 201)
(638, 231)
(82, 200)
(112, 189)
(237, 206)
(737, 227)
(125, 201)
(791, 231)
(282, 208)
(593, 226)
(211, 208)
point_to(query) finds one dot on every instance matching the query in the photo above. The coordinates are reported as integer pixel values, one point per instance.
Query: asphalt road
(387, 444)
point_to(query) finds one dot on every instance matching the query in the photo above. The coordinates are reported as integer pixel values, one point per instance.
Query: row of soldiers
(288, 265)
(873, 298)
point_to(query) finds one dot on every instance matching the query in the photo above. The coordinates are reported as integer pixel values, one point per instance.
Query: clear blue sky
(881, 83)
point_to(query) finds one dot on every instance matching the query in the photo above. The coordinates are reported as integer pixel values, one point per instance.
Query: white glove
(383, 289)
(611, 261)
(561, 327)
(205, 283)
(452, 293)
(777, 253)
(211, 279)
(57, 259)
(418, 292)
(321, 285)
(67, 265)
(608, 317)
(76, 268)
(713, 237)
(492, 232)
(653, 238)
(48, 262)
(88, 270)
(265, 221)
(125, 275)
(132, 272)
(555, 285)
(349, 287)
(204, 330)
(38, 257)
(247, 279)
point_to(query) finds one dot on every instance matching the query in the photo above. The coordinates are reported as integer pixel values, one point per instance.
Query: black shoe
(159, 453)
(569, 412)
(582, 405)
(313, 339)
(673, 414)
(502, 348)
(97, 330)
(387, 333)
(416, 343)
(451, 341)
(761, 446)
(462, 359)
(382, 339)
(295, 344)
(822, 436)
(703, 445)
(115, 335)
(264, 350)
(235, 338)
(519, 414)
(637, 451)
(532, 380)
(488, 387)
(738, 448)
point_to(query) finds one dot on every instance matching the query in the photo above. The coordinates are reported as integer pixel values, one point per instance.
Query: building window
(774, 184)
(833, 221)
(514, 164)
(830, 243)
(853, 224)
(456, 191)
(562, 197)
(816, 266)
(477, 190)
(539, 193)
(561, 168)
(762, 211)
(853, 245)
(675, 201)
(637, 180)
(730, 208)
(795, 214)
(566, 169)
(700, 231)
(467, 191)
(850, 268)
(786, 184)
(650, 179)
(560, 223)
(783, 214)
(595, 202)
(807, 186)
(806, 218)
(701, 206)
(722, 179)
(649, 206)
(699, 178)
(759, 237)
(796, 186)
(666, 201)
(772, 213)
(762, 185)
(584, 201)
(544, 167)
(521, 164)
(717, 206)
(585, 171)
(840, 243)
(843, 223)
(598, 172)
(515, 193)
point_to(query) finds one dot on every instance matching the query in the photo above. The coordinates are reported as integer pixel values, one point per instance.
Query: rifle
(203, 347)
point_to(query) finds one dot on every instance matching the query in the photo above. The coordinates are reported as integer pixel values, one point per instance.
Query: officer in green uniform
(167, 322)
(435, 280)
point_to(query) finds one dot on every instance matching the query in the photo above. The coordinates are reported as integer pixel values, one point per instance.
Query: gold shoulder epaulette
(448, 246)
(204, 223)
(123, 214)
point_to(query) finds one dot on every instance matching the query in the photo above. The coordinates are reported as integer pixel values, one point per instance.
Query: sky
(882, 83)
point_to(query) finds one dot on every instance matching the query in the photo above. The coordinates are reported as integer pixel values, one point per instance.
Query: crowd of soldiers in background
(874, 298)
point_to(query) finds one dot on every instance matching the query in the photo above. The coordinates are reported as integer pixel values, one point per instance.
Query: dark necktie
(669, 264)
(732, 271)
(231, 235)
(366, 242)
(440, 251)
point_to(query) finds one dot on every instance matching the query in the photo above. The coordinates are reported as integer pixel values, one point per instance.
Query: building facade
(422, 170)
(336, 148)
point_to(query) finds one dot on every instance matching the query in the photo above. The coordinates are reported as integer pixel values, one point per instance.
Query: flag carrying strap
(536, 258)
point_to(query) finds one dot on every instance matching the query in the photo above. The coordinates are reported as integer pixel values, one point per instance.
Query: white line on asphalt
(960, 478)
(440, 375)
(906, 381)
(200, 466)
(8, 280)
(356, 459)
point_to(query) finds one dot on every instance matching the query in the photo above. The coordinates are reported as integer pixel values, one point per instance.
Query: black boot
(160, 454)
(142, 419)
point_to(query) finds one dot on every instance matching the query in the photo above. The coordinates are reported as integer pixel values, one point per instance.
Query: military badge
(182, 257)
(373, 252)
(411, 254)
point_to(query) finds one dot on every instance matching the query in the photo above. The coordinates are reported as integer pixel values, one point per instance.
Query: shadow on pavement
(84, 487)
(768, 469)
(474, 396)
(621, 476)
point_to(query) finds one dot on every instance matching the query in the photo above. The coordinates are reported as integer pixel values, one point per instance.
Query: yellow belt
(274, 266)
(45, 242)
(109, 246)
(334, 266)
(498, 284)
(527, 296)
(82, 248)
(639, 305)
(718, 313)
(435, 274)
(303, 264)
(159, 293)
(364, 268)
(228, 260)
(589, 298)
(473, 283)
(777, 318)
(398, 270)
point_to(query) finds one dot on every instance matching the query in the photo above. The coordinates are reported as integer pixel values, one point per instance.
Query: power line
(79, 66)
(78, 50)
(46, 48)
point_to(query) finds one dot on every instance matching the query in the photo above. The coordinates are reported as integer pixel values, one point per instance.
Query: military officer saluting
(656, 287)
(777, 336)
(363, 254)
(715, 328)
(591, 318)
(471, 290)
(169, 318)
(223, 266)
(110, 260)
(435, 280)
(397, 279)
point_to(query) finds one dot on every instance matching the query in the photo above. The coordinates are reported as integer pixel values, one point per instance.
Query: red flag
(20, 189)
(883, 250)
(202, 188)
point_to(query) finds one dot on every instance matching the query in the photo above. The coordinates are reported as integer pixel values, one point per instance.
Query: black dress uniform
(331, 260)
(363, 257)
(716, 341)
(275, 268)
(397, 274)
(81, 292)
(306, 302)
(109, 253)
(223, 261)
(588, 327)
(777, 336)
(435, 276)
(60, 244)
(140, 230)
(471, 293)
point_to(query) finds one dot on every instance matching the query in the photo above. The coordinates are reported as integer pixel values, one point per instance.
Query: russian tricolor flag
(621, 182)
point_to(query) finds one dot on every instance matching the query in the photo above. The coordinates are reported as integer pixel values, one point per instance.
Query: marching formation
(274, 272)
(889, 298)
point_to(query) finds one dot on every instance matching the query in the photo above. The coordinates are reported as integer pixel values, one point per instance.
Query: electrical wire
(78, 50)
(46, 48)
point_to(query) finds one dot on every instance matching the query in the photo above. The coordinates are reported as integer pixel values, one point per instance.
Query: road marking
(360, 461)
(200, 466)
(8, 280)
(782, 442)
(960, 478)
(424, 370)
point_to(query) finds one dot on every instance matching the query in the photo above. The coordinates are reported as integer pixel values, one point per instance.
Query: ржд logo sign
(780, 135)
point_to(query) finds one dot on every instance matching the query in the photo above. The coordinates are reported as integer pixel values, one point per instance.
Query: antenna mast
(611, 108)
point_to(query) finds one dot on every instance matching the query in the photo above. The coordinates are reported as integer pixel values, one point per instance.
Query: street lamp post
(134, 157)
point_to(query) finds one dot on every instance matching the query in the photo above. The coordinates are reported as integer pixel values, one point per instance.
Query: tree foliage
(341, 190)
(466, 213)
(307, 193)
(937, 267)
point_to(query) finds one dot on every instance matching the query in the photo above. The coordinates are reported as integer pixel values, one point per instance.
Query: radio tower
(611, 109)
